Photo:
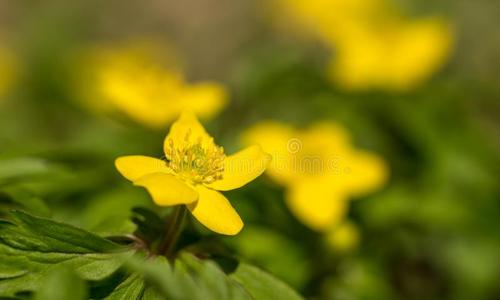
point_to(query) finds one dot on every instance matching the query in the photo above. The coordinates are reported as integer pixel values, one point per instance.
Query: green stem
(174, 228)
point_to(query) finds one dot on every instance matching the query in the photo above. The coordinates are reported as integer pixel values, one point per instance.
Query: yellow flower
(142, 82)
(194, 171)
(319, 168)
(327, 19)
(375, 46)
(398, 57)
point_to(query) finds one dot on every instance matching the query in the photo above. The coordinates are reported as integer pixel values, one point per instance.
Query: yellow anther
(196, 162)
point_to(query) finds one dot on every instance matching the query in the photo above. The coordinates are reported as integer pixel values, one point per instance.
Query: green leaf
(21, 198)
(62, 284)
(131, 288)
(44, 177)
(33, 247)
(193, 278)
(274, 252)
(189, 278)
(262, 285)
(35, 254)
(109, 213)
(44, 235)
(209, 278)
(22, 167)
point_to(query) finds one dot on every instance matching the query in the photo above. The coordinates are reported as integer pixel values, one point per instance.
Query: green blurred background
(430, 233)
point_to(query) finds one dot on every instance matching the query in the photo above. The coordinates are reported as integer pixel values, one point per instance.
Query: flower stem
(174, 228)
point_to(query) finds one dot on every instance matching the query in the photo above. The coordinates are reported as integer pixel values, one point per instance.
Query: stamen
(197, 162)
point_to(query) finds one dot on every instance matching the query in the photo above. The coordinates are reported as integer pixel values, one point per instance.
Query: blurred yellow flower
(194, 171)
(398, 57)
(328, 19)
(344, 238)
(7, 70)
(375, 46)
(320, 169)
(143, 82)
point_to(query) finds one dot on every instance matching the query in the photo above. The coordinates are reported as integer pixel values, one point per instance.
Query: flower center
(196, 161)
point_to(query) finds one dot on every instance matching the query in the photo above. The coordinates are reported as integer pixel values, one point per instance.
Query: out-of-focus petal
(364, 173)
(344, 237)
(316, 204)
(204, 99)
(281, 142)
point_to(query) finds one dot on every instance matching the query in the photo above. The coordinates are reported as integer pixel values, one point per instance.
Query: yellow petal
(241, 168)
(423, 47)
(398, 57)
(329, 135)
(276, 139)
(187, 129)
(167, 190)
(271, 136)
(366, 173)
(205, 99)
(215, 212)
(317, 204)
(136, 166)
